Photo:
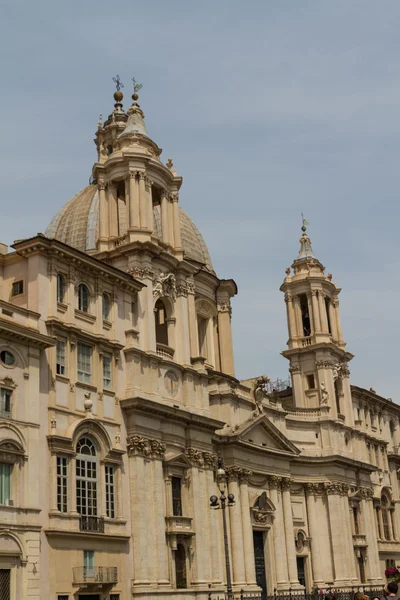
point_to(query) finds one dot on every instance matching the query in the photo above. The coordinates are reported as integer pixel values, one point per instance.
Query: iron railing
(95, 524)
(95, 575)
(346, 593)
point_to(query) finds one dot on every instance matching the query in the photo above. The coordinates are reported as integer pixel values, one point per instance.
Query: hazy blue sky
(268, 108)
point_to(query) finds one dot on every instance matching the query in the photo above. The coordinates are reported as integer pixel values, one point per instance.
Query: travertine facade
(118, 392)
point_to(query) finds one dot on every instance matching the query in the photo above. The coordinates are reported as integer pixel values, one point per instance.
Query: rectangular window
(176, 496)
(202, 325)
(5, 403)
(61, 370)
(62, 484)
(5, 483)
(88, 563)
(84, 363)
(62, 597)
(114, 596)
(310, 382)
(110, 491)
(17, 288)
(106, 372)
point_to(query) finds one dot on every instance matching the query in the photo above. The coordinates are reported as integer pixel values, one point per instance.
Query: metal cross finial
(118, 82)
(136, 86)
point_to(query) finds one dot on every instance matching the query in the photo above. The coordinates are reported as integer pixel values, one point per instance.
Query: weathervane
(118, 82)
(304, 223)
(136, 86)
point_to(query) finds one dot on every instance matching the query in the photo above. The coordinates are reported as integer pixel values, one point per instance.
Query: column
(335, 304)
(332, 319)
(182, 338)
(149, 201)
(278, 529)
(200, 505)
(236, 532)
(371, 534)
(134, 220)
(171, 223)
(311, 499)
(139, 520)
(298, 319)
(349, 547)
(289, 533)
(177, 224)
(164, 218)
(103, 212)
(225, 337)
(290, 316)
(322, 312)
(142, 201)
(247, 529)
(158, 506)
(315, 308)
(338, 540)
(193, 332)
(113, 209)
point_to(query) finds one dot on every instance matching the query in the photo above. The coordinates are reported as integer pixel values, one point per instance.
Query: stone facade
(118, 393)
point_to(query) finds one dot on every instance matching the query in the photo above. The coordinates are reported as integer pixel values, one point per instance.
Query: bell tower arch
(316, 349)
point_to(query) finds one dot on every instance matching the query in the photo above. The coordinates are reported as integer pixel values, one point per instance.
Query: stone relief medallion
(171, 383)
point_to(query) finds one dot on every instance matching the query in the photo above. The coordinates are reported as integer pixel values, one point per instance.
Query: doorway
(259, 560)
(301, 570)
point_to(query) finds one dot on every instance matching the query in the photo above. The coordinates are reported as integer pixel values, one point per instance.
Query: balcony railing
(179, 525)
(165, 351)
(95, 575)
(95, 524)
(359, 540)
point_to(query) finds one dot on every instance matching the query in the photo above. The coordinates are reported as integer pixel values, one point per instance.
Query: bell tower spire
(316, 349)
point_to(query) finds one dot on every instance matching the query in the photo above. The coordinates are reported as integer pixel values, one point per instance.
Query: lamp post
(222, 502)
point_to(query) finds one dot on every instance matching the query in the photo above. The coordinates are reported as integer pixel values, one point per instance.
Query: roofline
(22, 245)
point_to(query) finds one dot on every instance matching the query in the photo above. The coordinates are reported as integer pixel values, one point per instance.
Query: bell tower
(316, 349)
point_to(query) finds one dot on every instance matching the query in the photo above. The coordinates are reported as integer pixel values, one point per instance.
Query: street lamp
(221, 502)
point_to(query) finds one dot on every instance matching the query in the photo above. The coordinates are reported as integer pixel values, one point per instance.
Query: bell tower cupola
(316, 349)
(137, 193)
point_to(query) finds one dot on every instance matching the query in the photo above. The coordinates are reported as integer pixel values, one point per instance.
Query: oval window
(7, 358)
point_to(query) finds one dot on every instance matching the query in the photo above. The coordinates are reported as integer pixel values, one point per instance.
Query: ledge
(85, 316)
(116, 537)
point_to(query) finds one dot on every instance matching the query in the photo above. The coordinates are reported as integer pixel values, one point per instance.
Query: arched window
(60, 288)
(86, 484)
(161, 323)
(106, 307)
(305, 315)
(180, 567)
(207, 331)
(83, 298)
(338, 392)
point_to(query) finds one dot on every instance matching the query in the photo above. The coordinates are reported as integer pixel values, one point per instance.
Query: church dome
(77, 224)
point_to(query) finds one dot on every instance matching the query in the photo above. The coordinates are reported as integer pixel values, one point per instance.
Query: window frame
(177, 508)
(62, 483)
(87, 485)
(84, 376)
(6, 398)
(109, 477)
(61, 288)
(61, 367)
(5, 491)
(107, 359)
(14, 288)
(83, 301)
(4, 362)
(105, 306)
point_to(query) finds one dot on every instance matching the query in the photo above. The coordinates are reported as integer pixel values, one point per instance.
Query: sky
(267, 108)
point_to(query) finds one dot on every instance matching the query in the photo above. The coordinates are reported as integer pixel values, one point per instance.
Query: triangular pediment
(262, 433)
(177, 460)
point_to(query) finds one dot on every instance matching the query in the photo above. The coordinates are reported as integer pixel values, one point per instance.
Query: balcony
(95, 575)
(359, 541)
(95, 524)
(179, 525)
(165, 351)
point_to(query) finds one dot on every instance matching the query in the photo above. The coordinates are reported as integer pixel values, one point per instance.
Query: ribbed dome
(76, 224)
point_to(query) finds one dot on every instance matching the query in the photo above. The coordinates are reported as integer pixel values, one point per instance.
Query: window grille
(61, 370)
(5, 480)
(110, 491)
(84, 363)
(106, 372)
(5, 588)
(62, 484)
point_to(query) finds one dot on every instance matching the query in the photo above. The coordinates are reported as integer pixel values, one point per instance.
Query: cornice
(19, 309)
(27, 335)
